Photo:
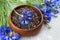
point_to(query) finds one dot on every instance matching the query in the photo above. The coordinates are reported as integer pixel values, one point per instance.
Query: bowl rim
(9, 18)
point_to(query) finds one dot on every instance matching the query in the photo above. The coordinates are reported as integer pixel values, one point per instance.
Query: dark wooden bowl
(22, 31)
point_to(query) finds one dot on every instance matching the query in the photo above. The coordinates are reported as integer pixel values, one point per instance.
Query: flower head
(4, 36)
(47, 8)
(26, 16)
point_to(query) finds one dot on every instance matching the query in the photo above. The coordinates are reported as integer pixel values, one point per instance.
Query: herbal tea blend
(25, 18)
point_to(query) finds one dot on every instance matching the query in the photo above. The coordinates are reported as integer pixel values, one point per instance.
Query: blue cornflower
(5, 29)
(48, 7)
(26, 16)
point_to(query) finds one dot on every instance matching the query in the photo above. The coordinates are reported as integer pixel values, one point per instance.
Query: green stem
(18, 13)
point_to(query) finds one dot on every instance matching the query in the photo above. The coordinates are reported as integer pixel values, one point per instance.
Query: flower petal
(29, 18)
(55, 11)
(22, 22)
(26, 22)
(20, 19)
(29, 14)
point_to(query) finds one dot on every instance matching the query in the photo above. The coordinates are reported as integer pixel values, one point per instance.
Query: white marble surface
(47, 34)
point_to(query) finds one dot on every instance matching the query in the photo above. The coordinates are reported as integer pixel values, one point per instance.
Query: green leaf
(34, 1)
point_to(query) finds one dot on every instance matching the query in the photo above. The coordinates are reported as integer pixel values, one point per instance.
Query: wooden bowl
(22, 31)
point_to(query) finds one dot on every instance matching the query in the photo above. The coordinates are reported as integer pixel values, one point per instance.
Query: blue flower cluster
(26, 16)
(4, 34)
(48, 9)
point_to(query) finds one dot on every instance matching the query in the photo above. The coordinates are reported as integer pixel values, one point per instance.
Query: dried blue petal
(20, 19)
(24, 11)
(44, 13)
(55, 11)
(0, 27)
(6, 37)
(26, 22)
(8, 30)
(5, 29)
(54, 2)
(22, 22)
(48, 10)
(2, 36)
(29, 18)
(44, 8)
(49, 17)
(15, 36)
(0, 31)
(29, 14)
(10, 38)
